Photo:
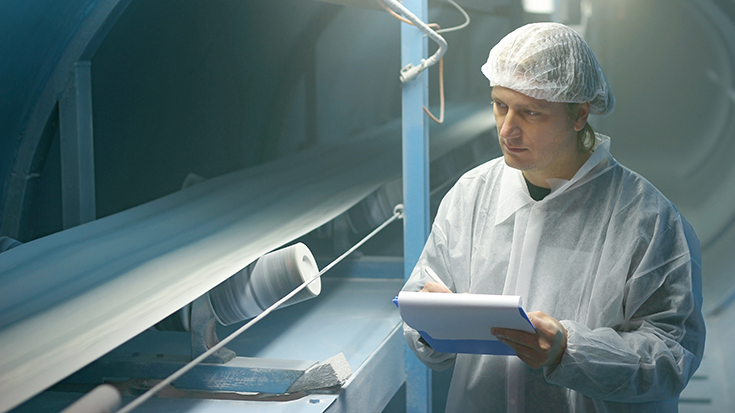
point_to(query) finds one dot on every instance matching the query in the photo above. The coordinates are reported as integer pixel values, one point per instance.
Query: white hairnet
(552, 62)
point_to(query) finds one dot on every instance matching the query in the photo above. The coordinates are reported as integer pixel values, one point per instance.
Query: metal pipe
(409, 72)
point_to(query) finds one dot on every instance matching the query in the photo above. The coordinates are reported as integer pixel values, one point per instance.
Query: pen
(435, 277)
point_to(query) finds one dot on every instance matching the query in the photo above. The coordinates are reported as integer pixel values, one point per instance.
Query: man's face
(537, 136)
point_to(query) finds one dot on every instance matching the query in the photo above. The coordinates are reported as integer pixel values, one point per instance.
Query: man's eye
(532, 113)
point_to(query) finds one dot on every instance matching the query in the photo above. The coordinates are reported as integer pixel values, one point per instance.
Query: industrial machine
(175, 168)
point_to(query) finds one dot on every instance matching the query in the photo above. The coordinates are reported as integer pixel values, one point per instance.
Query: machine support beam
(414, 47)
(77, 149)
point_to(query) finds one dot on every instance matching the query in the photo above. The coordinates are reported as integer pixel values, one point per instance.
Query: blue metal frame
(242, 374)
(414, 47)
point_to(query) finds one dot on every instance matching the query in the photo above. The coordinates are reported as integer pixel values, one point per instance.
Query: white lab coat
(606, 254)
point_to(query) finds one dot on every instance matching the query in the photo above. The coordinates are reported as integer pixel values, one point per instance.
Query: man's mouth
(513, 149)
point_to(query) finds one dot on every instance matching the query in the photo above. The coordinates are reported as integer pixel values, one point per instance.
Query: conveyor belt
(353, 315)
(69, 298)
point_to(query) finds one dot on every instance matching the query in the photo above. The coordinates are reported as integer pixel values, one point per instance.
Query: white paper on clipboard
(461, 323)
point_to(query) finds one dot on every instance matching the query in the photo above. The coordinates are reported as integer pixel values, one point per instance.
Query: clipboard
(461, 323)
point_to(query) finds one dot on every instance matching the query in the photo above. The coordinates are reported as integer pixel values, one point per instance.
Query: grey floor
(710, 390)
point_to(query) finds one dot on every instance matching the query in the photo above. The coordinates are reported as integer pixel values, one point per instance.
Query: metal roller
(259, 285)
(256, 287)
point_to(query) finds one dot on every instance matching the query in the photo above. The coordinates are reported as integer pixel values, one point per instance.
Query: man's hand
(545, 348)
(432, 287)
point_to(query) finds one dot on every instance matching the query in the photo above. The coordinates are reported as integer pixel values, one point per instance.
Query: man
(609, 268)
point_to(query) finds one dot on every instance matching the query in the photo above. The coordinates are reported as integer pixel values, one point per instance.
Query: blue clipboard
(461, 323)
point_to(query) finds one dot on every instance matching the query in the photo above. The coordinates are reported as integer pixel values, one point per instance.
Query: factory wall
(184, 87)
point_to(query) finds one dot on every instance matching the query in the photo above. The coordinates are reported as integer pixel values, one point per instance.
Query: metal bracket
(203, 330)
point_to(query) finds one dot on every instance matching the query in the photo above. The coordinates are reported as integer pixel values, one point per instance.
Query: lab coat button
(537, 211)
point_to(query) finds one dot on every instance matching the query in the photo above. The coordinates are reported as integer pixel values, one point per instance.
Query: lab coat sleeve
(435, 257)
(432, 257)
(652, 355)
(431, 358)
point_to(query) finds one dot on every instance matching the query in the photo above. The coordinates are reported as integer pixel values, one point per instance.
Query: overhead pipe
(409, 72)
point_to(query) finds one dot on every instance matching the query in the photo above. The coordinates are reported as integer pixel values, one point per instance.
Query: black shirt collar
(537, 192)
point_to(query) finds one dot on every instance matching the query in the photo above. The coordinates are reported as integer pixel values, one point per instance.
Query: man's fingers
(516, 336)
(543, 348)
(432, 287)
(526, 354)
(534, 364)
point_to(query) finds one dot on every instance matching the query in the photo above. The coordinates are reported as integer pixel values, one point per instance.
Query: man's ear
(582, 115)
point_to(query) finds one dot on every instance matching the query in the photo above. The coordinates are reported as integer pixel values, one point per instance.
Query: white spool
(258, 286)
(105, 398)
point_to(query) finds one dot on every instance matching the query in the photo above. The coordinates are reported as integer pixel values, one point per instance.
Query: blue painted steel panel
(54, 401)
(377, 380)
(242, 374)
(414, 47)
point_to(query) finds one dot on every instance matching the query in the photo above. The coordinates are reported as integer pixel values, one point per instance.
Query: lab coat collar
(514, 191)
(600, 161)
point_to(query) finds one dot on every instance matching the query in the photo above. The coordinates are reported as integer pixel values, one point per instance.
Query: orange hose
(441, 96)
(434, 26)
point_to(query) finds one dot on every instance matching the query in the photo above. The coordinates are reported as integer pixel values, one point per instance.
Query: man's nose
(510, 127)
